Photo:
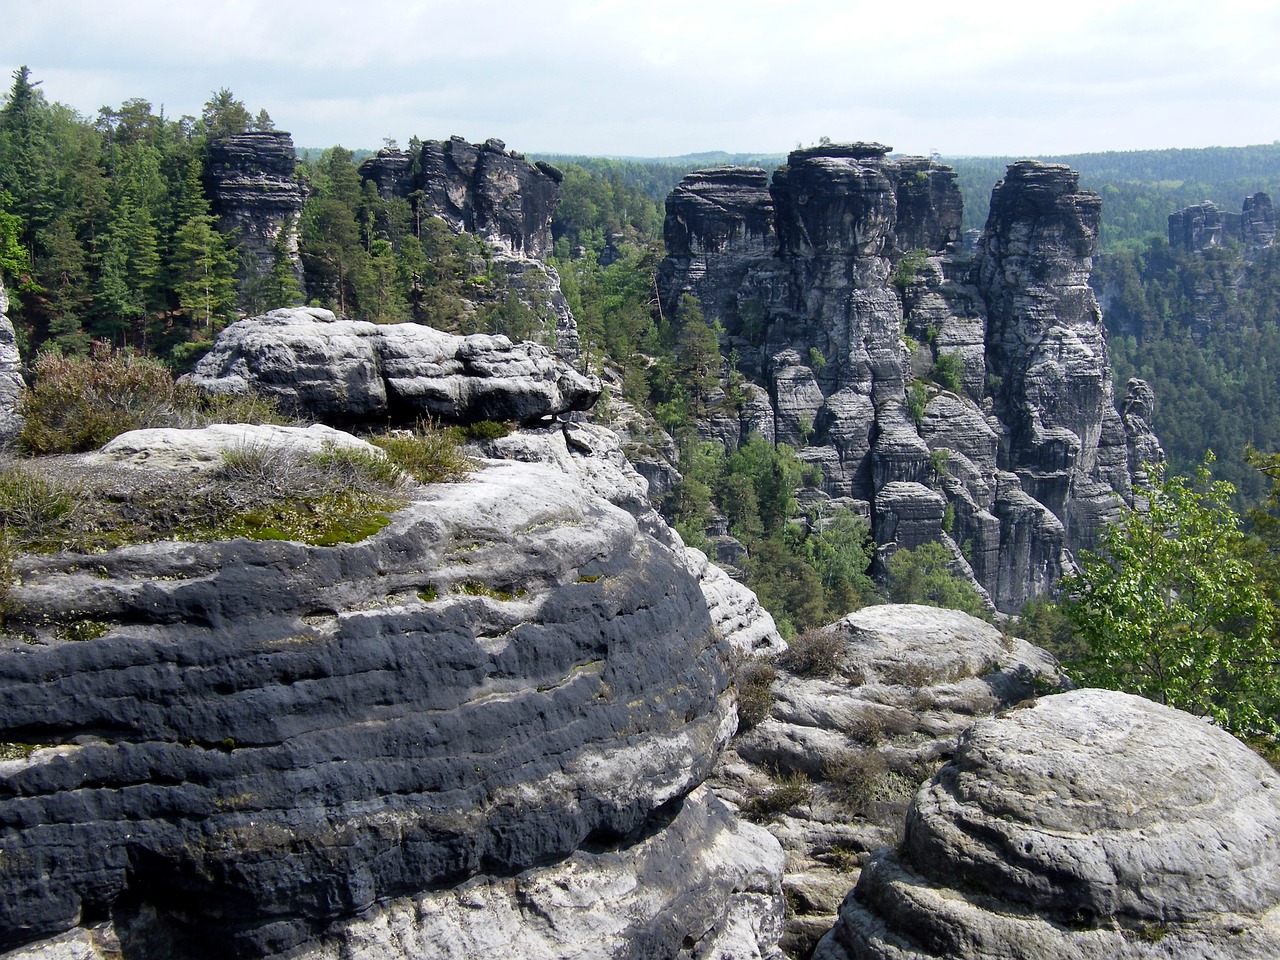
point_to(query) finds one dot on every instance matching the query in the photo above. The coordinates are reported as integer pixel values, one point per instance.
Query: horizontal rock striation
(905, 680)
(499, 196)
(1204, 225)
(351, 371)
(885, 352)
(252, 185)
(262, 739)
(1089, 824)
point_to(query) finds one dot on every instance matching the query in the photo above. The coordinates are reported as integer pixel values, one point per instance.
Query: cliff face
(918, 379)
(1205, 225)
(495, 194)
(253, 189)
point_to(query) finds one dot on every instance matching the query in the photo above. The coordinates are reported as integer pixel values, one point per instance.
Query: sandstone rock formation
(1204, 225)
(887, 353)
(496, 194)
(255, 193)
(1090, 824)
(503, 700)
(11, 382)
(907, 679)
(347, 371)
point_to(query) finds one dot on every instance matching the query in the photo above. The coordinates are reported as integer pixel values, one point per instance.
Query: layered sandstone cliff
(503, 703)
(497, 195)
(962, 399)
(254, 191)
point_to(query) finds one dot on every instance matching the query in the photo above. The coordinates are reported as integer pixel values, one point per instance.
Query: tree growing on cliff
(1171, 609)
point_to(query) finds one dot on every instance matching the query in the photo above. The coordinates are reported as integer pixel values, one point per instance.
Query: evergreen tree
(204, 271)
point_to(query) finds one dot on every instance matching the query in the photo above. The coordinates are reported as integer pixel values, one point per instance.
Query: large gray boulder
(249, 749)
(906, 681)
(1088, 824)
(351, 371)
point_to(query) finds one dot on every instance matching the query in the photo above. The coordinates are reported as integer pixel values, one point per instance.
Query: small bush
(948, 370)
(76, 404)
(917, 401)
(428, 453)
(787, 792)
(35, 509)
(755, 680)
(485, 430)
(863, 784)
(79, 403)
(815, 653)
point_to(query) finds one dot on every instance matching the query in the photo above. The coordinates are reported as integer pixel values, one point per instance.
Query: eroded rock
(1088, 824)
(262, 739)
(345, 371)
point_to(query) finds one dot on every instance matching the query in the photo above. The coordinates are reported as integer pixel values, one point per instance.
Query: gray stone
(816, 280)
(204, 448)
(909, 680)
(1088, 824)
(350, 371)
(11, 380)
(271, 738)
(254, 191)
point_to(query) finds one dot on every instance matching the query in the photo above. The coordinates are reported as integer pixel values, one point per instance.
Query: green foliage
(948, 370)
(815, 653)
(427, 453)
(74, 404)
(755, 680)
(924, 575)
(917, 401)
(35, 508)
(906, 270)
(1171, 609)
(770, 804)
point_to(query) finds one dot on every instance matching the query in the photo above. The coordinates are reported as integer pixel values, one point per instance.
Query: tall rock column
(251, 182)
(1065, 440)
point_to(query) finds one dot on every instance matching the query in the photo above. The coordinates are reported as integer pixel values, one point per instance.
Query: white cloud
(674, 76)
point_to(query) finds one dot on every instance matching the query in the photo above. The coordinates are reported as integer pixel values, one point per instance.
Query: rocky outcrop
(1202, 226)
(497, 195)
(966, 397)
(11, 381)
(1045, 341)
(903, 682)
(252, 185)
(1089, 824)
(505, 700)
(349, 371)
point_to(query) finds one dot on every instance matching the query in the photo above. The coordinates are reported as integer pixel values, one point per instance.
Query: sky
(671, 77)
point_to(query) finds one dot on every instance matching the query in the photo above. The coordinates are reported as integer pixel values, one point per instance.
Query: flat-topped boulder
(351, 371)
(1086, 824)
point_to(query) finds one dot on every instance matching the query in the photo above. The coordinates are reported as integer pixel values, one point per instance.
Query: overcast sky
(668, 77)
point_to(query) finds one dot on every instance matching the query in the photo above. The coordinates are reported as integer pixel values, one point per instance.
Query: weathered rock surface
(11, 382)
(1089, 824)
(193, 450)
(1204, 225)
(347, 371)
(499, 196)
(816, 276)
(908, 680)
(267, 746)
(252, 185)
